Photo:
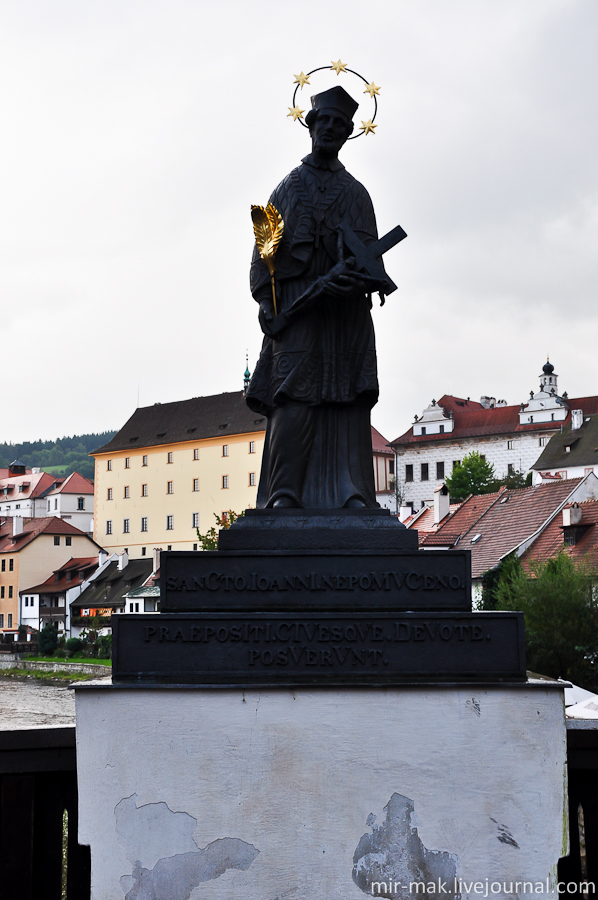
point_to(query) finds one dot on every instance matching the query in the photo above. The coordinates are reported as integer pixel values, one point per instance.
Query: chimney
(102, 557)
(442, 503)
(123, 561)
(404, 513)
(572, 515)
(17, 526)
(156, 555)
(576, 419)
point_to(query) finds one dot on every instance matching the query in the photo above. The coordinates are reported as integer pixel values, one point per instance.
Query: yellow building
(171, 467)
(30, 550)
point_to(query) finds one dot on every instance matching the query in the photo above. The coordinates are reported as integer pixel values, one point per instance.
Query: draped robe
(316, 381)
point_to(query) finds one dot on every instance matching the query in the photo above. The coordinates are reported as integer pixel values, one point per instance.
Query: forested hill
(60, 457)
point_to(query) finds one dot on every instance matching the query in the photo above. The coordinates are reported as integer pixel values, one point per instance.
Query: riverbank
(60, 670)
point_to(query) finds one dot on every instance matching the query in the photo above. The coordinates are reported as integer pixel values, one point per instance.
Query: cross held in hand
(366, 258)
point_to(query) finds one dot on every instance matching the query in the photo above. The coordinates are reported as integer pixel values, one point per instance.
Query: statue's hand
(270, 324)
(343, 283)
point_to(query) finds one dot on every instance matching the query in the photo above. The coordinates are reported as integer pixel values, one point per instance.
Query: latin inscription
(225, 648)
(315, 581)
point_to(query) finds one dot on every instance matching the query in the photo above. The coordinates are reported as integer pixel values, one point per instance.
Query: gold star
(339, 66)
(366, 127)
(301, 79)
(295, 112)
(371, 89)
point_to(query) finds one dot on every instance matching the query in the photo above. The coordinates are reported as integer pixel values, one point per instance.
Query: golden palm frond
(268, 227)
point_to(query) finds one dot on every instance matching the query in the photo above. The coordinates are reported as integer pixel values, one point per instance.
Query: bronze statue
(316, 378)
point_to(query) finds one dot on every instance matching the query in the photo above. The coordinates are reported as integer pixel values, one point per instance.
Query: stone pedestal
(321, 794)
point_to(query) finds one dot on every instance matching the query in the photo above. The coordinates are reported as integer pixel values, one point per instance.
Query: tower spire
(247, 375)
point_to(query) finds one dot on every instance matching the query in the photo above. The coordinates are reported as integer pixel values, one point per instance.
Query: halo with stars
(338, 67)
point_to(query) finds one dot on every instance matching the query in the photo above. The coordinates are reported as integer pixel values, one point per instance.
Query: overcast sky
(136, 134)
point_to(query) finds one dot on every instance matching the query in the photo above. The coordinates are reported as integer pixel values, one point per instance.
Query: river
(32, 704)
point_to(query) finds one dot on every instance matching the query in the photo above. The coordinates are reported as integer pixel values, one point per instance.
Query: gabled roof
(473, 420)
(380, 444)
(35, 485)
(110, 586)
(551, 542)
(492, 525)
(74, 484)
(220, 415)
(32, 528)
(583, 443)
(62, 578)
(423, 521)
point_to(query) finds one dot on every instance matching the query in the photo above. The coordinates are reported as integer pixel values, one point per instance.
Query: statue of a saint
(316, 378)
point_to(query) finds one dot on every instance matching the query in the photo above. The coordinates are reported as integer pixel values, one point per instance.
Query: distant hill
(59, 457)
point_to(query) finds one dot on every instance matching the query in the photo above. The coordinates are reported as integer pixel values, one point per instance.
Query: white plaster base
(297, 773)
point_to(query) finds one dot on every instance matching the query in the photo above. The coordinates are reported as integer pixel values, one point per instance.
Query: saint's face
(329, 132)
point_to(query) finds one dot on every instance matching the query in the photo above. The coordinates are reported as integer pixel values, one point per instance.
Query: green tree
(473, 476)
(514, 480)
(209, 540)
(558, 599)
(47, 640)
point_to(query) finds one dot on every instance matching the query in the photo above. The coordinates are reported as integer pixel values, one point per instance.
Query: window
(483, 457)
(144, 490)
(456, 463)
(170, 487)
(9, 592)
(11, 565)
(127, 462)
(109, 493)
(169, 523)
(439, 471)
(21, 488)
(56, 503)
(196, 484)
(196, 453)
(18, 506)
(57, 540)
(26, 601)
(510, 469)
(442, 429)
(48, 506)
(68, 540)
(225, 449)
(126, 524)
(127, 492)
(144, 523)
(424, 472)
(4, 565)
(391, 466)
(225, 482)
(109, 465)
(2, 592)
(109, 526)
(2, 614)
(10, 620)
(509, 445)
(133, 607)
(144, 460)
(424, 429)
(195, 547)
(169, 457)
(169, 547)
(542, 441)
(252, 479)
(195, 520)
(252, 446)
(143, 549)
(409, 472)
(80, 502)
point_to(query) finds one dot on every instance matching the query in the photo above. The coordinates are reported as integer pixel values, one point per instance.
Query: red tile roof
(503, 521)
(54, 585)
(380, 444)
(32, 528)
(423, 521)
(74, 484)
(473, 420)
(550, 543)
(35, 485)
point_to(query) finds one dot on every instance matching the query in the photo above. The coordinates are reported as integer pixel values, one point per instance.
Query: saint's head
(330, 121)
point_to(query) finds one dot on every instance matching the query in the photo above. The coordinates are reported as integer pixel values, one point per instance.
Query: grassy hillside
(59, 457)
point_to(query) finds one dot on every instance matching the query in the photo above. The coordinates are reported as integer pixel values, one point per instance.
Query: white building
(511, 438)
(72, 499)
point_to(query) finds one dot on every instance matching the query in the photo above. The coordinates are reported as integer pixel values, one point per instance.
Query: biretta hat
(336, 98)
